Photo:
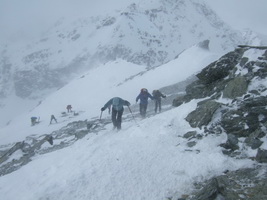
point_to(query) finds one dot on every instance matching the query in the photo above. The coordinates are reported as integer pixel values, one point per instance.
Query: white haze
(242, 14)
(27, 19)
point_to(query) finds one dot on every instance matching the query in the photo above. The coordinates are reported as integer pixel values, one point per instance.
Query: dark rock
(248, 183)
(235, 88)
(243, 61)
(190, 134)
(256, 92)
(203, 113)
(178, 101)
(244, 120)
(261, 156)
(257, 134)
(221, 68)
(204, 44)
(252, 142)
(209, 192)
(231, 143)
(191, 144)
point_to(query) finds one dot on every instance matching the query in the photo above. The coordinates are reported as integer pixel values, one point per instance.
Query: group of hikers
(35, 120)
(117, 109)
(117, 104)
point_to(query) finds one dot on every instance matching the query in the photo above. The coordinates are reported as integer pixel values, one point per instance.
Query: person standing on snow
(117, 110)
(69, 107)
(143, 96)
(157, 97)
(53, 118)
(33, 120)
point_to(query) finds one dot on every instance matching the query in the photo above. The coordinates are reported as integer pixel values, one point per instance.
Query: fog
(242, 14)
(26, 19)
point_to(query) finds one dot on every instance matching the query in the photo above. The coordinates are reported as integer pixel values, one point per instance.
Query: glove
(128, 104)
(164, 96)
(102, 109)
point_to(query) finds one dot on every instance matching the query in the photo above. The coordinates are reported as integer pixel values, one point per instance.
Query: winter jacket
(143, 96)
(157, 94)
(117, 103)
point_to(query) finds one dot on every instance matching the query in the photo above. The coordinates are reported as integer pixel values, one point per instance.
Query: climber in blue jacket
(143, 96)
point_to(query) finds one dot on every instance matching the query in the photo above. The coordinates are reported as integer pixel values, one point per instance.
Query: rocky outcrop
(59, 139)
(229, 78)
(232, 100)
(241, 184)
(203, 113)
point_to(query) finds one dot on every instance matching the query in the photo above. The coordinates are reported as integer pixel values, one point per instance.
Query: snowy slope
(88, 93)
(138, 163)
(148, 159)
(148, 33)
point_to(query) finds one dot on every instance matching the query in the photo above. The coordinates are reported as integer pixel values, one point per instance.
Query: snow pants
(157, 105)
(116, 116)
(143, 108)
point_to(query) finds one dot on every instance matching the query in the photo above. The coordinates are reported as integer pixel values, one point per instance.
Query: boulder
(236, 88)
(248, 183)
(190, 134)
(252, 142)
(221, 68)
(261, 156)
(203, 113)
(231, 143)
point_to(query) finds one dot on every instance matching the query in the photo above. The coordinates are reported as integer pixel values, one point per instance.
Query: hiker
(53, 118)
(157, 97)
(69, 108)
(33, 120)
(143, 96)
(117, 110)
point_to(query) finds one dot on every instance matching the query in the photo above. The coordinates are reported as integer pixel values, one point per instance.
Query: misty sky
(242, 14)
(27, 18)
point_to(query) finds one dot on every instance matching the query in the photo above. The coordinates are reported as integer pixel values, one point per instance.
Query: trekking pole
(100, 116)
(132, 114)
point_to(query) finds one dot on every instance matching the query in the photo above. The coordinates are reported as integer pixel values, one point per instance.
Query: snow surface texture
(148, 159)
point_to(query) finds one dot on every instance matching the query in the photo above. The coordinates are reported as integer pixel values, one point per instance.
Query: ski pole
(100, 115)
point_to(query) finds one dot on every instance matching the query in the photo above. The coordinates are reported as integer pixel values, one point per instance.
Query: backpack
(116, 103)
(156, 93)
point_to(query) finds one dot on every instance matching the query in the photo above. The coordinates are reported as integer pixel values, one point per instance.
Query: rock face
(202, 115)
(232, 94)
(241, 184)
(230, 78)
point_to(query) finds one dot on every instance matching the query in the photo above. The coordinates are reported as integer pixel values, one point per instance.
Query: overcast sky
(242, 14)
(25, 18)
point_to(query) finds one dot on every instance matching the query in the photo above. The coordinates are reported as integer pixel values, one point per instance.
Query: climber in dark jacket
(117, 104)
(157, 98)
(143, 96)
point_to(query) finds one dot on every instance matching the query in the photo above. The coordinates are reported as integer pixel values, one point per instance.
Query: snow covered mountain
(160, 157)
(157, 44)
(147, 33)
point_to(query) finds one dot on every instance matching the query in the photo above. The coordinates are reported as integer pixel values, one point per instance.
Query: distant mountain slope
(147, 33)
